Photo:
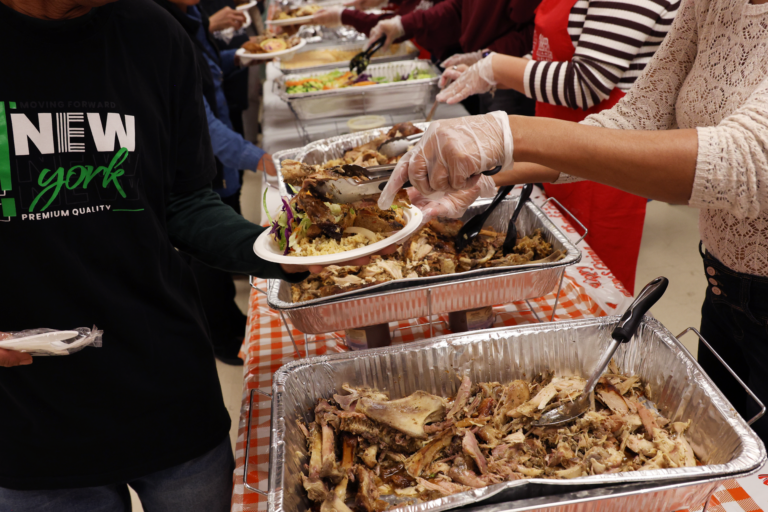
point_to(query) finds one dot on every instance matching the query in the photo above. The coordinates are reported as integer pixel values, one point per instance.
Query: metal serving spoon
(622, 333)
(472, 227)
(359, 62)
(510, 241)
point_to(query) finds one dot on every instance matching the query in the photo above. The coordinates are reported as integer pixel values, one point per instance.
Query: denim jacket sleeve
(230, 147)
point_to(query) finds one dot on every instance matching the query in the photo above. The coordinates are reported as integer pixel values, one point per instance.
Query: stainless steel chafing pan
(679, 387)
(405, 51)
(350, 101)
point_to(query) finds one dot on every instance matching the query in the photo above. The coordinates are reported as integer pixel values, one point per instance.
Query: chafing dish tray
(681, 390)
(351, 101)
(405, 51)
(407, 298)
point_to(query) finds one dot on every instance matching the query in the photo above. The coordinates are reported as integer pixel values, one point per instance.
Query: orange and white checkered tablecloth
(589, 290)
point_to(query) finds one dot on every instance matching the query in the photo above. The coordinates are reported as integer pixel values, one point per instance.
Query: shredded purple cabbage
(362, 77)
(288, 211)
(289, 218)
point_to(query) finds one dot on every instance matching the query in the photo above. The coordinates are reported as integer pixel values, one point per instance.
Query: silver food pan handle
(251, 280)
(563, 208)
(248, 444)
(738, 379)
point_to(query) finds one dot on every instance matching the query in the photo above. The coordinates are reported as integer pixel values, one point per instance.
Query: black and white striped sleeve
(613, 41)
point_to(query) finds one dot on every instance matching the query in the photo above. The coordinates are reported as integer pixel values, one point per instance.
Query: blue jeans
(734, 320)
(203, 484)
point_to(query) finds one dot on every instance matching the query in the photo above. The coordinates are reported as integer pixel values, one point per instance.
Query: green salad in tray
(340, 79)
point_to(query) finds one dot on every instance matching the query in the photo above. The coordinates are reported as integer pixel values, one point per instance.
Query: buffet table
(588, 290)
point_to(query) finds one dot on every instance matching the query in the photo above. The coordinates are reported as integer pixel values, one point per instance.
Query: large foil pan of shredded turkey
(720, 438)
(407, 298)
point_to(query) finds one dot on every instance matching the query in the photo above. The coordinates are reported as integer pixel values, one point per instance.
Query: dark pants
(217, 292)
(734, 320)
(203, 484)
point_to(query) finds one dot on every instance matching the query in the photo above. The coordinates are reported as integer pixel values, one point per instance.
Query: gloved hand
(392, 28)
(463, 58)
(452, 205)
(451, 74)
(364, 5)
(451, 155)
(330, 17)
(475, 80)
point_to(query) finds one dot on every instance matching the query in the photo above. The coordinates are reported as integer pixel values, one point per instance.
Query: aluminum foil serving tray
(405, 51)
(321, 151)
(351, 101)
(718, 435)
(407, 298)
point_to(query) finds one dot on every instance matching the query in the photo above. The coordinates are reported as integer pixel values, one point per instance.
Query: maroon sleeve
(440, 24)
(517, 43)
(522, 12)
(362, 21)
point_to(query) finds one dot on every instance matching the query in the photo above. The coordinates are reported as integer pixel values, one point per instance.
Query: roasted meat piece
(403, 130)
(425, 447)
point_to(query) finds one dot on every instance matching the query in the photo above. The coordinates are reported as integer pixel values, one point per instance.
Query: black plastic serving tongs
(622, 333)
(359, 62)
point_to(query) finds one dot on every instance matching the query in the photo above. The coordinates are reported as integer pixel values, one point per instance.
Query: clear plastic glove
(451, 155)
(463, 58)
(392, 28)
(364, 5)
(451, 74)
(330, 17)
(452, 205)
(475, 80)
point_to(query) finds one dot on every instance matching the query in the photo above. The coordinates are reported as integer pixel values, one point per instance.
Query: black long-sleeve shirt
(105, 168)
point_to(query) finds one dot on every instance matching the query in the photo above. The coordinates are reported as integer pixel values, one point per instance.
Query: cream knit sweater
(711, 73)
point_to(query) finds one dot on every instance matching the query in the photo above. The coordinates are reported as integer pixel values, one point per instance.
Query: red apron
(614, 218)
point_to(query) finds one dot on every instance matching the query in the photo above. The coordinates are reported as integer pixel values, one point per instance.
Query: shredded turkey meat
(365, 155)
(364, 447)
(430, 252)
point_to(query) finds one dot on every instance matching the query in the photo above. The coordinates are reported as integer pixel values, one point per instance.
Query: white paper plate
(247, 6)
(301, 20)
(245, 56)
(46, 343)
(266, 247)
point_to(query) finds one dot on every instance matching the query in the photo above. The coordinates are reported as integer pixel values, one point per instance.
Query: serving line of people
(450, 26)
(564, 59)
(693, 129)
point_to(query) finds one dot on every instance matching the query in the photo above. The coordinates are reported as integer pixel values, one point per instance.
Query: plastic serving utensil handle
(632, 317)
(376, 46)
(524, 196)
(491, 172)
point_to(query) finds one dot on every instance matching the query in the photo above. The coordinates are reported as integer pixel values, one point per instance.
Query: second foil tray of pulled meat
(367, 452)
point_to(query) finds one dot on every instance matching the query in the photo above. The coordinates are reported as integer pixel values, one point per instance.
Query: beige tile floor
(669, 248)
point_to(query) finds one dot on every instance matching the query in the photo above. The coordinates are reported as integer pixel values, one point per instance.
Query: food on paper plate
(424, 447)
(313, 58)
(298, 12)
(270, 43)
(310, 224)
(338, 79)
